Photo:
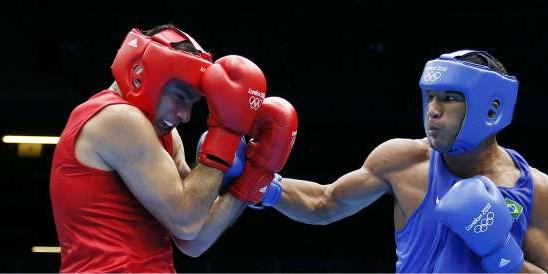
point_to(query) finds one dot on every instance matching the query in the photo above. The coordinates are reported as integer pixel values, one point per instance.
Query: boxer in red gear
(120, 186)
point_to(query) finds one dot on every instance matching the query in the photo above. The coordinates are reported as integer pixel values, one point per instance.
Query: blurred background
(350, 68)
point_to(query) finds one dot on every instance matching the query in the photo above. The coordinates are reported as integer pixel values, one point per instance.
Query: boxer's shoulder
(121, 112)
(111, 117)
(114, 125)
(398, 154)
(540, 180)
(109, 130)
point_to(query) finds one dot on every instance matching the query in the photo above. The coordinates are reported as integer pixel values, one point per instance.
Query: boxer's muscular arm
(179, 154)
(314, 203)
(535, 245)
(126, 141)
(224, 211)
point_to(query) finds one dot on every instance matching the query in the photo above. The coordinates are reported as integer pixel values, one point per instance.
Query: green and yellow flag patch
(514, 208)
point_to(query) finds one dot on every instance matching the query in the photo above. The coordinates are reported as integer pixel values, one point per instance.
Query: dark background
(350, 68)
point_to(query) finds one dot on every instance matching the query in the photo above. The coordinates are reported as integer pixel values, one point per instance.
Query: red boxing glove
(234, 88)
(273, 135)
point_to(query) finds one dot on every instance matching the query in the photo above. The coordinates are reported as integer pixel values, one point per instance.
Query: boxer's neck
(481, 161)
(115, 88)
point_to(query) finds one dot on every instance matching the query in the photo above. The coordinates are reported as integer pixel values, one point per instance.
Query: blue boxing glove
(238, 164)
(476, 211)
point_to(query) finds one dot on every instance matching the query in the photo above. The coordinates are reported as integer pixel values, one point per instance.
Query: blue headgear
(490, 96)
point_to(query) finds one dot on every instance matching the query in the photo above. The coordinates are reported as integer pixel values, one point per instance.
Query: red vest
(101, 226)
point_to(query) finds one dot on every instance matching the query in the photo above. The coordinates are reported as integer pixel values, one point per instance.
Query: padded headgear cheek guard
(145, 64)
(490, 96)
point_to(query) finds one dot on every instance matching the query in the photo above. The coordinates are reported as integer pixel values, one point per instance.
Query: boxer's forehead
(445, 93)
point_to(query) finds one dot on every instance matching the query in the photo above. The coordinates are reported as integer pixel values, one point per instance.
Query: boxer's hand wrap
(273, 135)
(234, 88)
(272, 195)
(476, 210)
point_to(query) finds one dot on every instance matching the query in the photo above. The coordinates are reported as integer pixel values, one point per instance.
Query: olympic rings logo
(255, 102)
(431, 76)
(485, 223)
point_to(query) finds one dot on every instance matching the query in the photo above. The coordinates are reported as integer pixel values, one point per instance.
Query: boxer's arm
(531, 268)
(179, 154)
(535, 244)
(225, 210)
(127, 142)
(314, 203)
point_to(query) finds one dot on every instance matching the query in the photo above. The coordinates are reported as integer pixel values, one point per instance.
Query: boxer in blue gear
(462, 202)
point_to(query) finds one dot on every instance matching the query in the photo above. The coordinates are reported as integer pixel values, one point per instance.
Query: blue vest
(425, 245)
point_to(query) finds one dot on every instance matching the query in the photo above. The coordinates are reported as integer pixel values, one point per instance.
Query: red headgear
(144, 64)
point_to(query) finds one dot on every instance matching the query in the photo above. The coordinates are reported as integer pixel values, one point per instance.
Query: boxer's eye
(190, 96)
(181, 97)
(453, 97)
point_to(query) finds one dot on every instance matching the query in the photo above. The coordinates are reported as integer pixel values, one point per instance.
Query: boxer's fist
(475, 209)
(234, 88)
(273, 135)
